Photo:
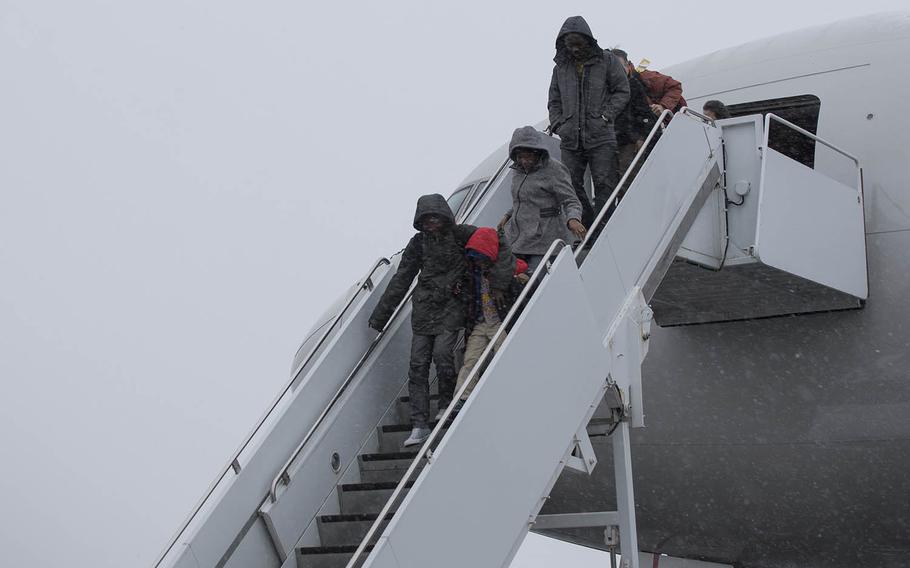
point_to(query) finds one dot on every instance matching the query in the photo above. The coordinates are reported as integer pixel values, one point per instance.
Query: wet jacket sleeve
(564, 193)
(503, 272)
(411, 262)
(619, 90)
(672, 92)
(554, 104)
(463, 233)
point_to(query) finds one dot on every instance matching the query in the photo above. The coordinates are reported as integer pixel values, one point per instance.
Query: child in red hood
(487, 308)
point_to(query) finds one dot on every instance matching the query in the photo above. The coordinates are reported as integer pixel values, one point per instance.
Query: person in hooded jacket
(544, 204)
(438, 312)
(485, 315)
(664, 91)
(588, 90)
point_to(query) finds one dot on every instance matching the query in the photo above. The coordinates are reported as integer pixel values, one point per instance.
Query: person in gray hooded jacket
(589, 88)
(544, 204)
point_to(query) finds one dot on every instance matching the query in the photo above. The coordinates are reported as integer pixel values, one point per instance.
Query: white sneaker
(417, 437)
(440, 414)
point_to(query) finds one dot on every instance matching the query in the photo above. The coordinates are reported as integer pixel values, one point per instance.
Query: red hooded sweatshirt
(486, 241)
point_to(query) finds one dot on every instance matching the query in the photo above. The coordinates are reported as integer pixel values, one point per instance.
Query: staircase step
(404, 407)
(385, 467)
(326, 556)
(392, 436)
(366, 497)
(341, 530)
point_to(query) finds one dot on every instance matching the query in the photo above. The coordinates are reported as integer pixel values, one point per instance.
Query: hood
(485, 241)
(573, 25)
(528, 137)
(520, 266)
(433, 203)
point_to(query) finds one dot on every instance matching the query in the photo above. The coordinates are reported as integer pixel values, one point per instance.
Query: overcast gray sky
(186, 186)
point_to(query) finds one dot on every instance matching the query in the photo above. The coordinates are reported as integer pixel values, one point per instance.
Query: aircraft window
(457, 198)
(473, 197)
(801, 110)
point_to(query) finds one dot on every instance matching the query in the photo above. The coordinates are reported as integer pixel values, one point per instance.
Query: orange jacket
(663, 90)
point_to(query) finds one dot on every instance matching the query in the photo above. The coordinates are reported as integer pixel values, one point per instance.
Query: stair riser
(394, 441)
(345, 533)
(403, 410)
(364, 502)
(384, 471)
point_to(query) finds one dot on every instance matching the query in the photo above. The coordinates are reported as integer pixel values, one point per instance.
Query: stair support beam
(625, 495)
(576, 520)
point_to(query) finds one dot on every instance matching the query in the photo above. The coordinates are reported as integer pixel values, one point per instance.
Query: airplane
(775, 394)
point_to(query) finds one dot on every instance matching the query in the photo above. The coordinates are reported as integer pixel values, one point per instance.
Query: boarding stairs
(345, 494)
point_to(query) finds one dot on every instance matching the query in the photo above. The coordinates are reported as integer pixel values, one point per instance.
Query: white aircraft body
(775, 395)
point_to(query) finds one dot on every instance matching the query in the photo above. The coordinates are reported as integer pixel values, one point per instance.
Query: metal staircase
(345, 495)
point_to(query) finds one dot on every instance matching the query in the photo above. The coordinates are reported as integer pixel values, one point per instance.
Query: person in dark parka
(588, 89)
(438, 304)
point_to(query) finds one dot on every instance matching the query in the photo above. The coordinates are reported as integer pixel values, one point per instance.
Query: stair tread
(386, 456)
(376, 486)
(341, 549)
(406, 427)
(353, 517)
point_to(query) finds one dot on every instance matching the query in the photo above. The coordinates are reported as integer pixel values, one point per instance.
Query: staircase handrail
(543, 268)
(771, 116)
(283, 474)
(698, 115)
(629, 170)
(234, 464)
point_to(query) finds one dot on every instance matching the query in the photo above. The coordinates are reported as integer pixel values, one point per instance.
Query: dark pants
(624, 157)
(439, 349)
(602, 161)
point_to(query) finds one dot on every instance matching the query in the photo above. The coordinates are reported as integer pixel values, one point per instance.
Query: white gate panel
(811, 226)
(472, 503)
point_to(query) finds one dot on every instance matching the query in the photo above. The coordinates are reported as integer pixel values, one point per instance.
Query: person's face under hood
(578, 46)
(480, 262)
(527, 159)
(432, 223)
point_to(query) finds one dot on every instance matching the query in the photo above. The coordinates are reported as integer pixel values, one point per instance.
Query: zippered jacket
(543, 200)
(438, 303)
(583, 105)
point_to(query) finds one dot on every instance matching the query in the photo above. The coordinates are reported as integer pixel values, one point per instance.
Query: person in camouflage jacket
(439, 302)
